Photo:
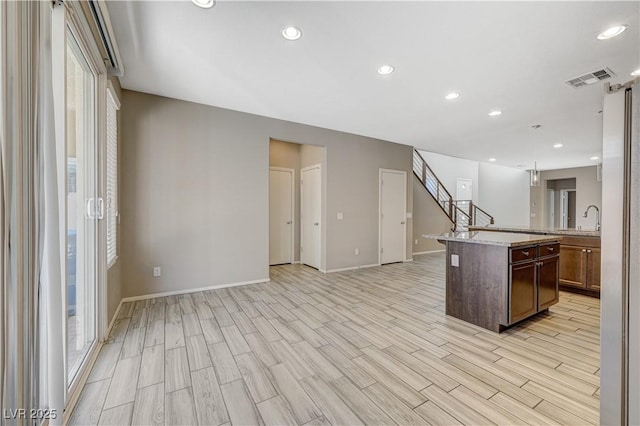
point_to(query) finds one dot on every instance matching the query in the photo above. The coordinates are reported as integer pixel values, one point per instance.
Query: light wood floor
(368, 346)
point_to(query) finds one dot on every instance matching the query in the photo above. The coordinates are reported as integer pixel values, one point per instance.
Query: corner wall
(428, 218)
(195, 193)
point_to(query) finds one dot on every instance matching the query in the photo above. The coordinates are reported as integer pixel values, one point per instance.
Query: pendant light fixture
(534, 174)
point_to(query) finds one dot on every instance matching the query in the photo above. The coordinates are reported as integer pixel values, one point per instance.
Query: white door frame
(404, 236)
(293, 206)
(320, 221)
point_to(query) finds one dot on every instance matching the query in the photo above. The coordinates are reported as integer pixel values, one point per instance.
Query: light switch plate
(455, 260)
(156, 271)
(340, 216)
(409, 215)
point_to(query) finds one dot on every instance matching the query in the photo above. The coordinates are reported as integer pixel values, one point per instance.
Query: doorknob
(315, 224)
(288, 222)
(402, 223)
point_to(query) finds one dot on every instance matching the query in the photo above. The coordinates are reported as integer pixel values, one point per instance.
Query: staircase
(462, 213)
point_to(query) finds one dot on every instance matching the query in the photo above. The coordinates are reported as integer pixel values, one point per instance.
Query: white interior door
(310, 214)
(464, 189)
(280, 216)
(564, 208)
(393, 216)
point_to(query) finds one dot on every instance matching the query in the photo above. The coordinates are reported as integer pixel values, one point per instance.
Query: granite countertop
(539, 230)
(506, 239)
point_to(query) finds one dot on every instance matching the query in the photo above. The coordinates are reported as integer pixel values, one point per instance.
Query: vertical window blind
(112, 178)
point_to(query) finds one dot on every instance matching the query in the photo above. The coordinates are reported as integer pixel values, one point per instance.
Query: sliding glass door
(82, 209)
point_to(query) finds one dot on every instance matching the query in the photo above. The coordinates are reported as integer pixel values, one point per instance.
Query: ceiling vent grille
(591, 78)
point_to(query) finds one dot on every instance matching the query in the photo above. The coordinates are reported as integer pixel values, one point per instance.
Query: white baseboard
(351, 268)
(427, 252)
(408, 260)
(192, 290)
(295, 262)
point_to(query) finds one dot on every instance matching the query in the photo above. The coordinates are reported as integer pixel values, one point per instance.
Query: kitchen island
(496, 279)
(579, 255)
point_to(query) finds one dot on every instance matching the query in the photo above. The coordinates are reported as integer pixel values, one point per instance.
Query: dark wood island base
(496, 280)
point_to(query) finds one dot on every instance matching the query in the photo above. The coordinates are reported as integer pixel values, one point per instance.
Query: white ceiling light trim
(595, 157)
(452, 95)
(612, 32)
(495, 113)
(558, 145)
(291, 33)
(492, 159)
(205, 4)
(385, 69)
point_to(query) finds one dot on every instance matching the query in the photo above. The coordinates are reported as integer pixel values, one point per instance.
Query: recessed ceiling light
(495, 113)
(205, 4)
(452, 95)
(595, 157)
(636, 72)
(612, 32)
(558, 145)
(291, 33)
(385, 69)
(492, 159)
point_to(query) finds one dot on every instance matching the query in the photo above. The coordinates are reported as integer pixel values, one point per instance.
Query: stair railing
(433, 185)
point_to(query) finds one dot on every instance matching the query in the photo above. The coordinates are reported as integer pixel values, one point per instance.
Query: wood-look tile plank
(89, 406)
(209, 404)
(222, 316)
(176, 373)
(133, 343)
(347, 367)
(240, 406)
(106, 362)
(117, 416)
(435, 415)
(528, 415)
(235, 340)
(197, 352)
(152, 367)
(357, 401)
(179, 408)
(124, 382)
(243, 322)
(392, 406)
(318, 363)
(454, 406)
(211, 331)
(191, 324)
(149, 406)
(223, 363)
(397, 369)
(155, 333)
(275, 412)
(332, 406)
(301, 405)
(261, 349)
(255, 377)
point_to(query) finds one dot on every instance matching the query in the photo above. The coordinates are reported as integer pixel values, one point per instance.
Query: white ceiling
(514, 56)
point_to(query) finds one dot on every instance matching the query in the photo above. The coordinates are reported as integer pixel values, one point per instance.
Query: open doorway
(560, 203)
(289, 164)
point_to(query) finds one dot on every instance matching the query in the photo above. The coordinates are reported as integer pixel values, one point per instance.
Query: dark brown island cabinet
(496, 279)
(579, 256)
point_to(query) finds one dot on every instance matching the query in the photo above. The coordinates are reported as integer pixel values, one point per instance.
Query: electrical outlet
(340, 216)
(357, 251)
(157, 271)
(455, 260)
(416, 243)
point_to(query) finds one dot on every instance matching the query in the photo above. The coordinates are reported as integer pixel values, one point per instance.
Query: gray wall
(195, 193)
(503, 192)
(588, 191)
(428, 218)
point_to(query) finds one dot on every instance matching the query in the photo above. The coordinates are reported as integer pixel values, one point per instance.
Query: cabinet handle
(584, 250)
(588, 251)
(550, 249)
(526, 253)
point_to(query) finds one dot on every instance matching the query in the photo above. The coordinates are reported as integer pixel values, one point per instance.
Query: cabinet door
(522, 291)
(548, 272)
(593, 269)
(573, 266)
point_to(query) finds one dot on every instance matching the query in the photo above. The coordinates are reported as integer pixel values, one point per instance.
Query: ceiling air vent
(591, 78)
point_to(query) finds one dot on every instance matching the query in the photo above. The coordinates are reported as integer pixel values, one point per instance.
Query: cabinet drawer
(525, 253)
(549, 249)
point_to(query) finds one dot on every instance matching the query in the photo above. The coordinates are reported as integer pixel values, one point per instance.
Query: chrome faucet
(586, 212)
